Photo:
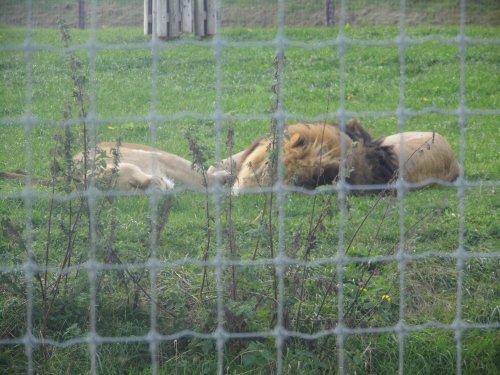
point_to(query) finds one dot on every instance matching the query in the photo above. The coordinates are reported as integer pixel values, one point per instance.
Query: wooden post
(169, 18)
(148, 17)
(174, 18)
(199, 17)
(205, 16)
(211, 11)
(330, 12)
(81, 14)
(154, 18)
(161, 18)
(187, 16)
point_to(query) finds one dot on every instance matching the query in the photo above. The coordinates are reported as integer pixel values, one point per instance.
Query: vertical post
(148, 17)
(81, 14)
(199, 17)
(161, 18)
(174, 18)
(154, 19)
(205, 16)
(187, 16)
(330, 12)
(211, 10)
(169, 18)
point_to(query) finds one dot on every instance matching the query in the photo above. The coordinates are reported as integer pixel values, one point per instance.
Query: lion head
(311, 157)
(312, 154)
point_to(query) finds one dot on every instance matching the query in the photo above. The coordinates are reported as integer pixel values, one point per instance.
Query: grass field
(121, 79)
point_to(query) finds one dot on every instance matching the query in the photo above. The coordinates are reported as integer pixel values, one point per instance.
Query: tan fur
(313, 156)
(254, 169)
(142, 167)
(311, 153)
(425, 156)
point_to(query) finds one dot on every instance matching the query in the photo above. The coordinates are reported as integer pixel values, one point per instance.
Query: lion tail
(13, 175)
(18, 174)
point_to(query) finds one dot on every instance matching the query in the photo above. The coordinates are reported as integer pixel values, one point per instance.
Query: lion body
(317, 154)
(142, 167)
(425, 156)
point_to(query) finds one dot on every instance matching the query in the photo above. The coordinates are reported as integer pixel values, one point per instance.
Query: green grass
(185, 79)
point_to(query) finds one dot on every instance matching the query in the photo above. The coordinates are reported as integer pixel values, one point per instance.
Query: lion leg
(227, 170)
(235, 160)
(218, 176)
(130, 178)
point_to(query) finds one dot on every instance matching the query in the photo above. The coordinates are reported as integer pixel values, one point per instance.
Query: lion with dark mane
(317, 154)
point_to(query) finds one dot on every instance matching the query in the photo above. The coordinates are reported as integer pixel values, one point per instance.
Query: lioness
(313, 155)
(142, 167)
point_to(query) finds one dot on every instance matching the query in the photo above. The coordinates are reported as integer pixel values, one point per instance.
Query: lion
(310, 157)
(316, 154)
(140, 167)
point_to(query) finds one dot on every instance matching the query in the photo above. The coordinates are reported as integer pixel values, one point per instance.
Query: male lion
(315, 154)
(142, 167)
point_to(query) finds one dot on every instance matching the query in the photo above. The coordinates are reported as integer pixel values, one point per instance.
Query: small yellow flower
(386, 298)
(364, 290)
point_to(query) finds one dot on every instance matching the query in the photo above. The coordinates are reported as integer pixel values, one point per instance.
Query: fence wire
(221, 263)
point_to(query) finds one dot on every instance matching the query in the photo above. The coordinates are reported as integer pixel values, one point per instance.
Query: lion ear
(296, 140)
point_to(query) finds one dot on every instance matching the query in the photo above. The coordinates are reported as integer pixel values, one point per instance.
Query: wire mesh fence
(279, 279)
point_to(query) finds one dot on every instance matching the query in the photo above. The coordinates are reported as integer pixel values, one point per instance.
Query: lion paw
(161, 183)
(220, 176)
